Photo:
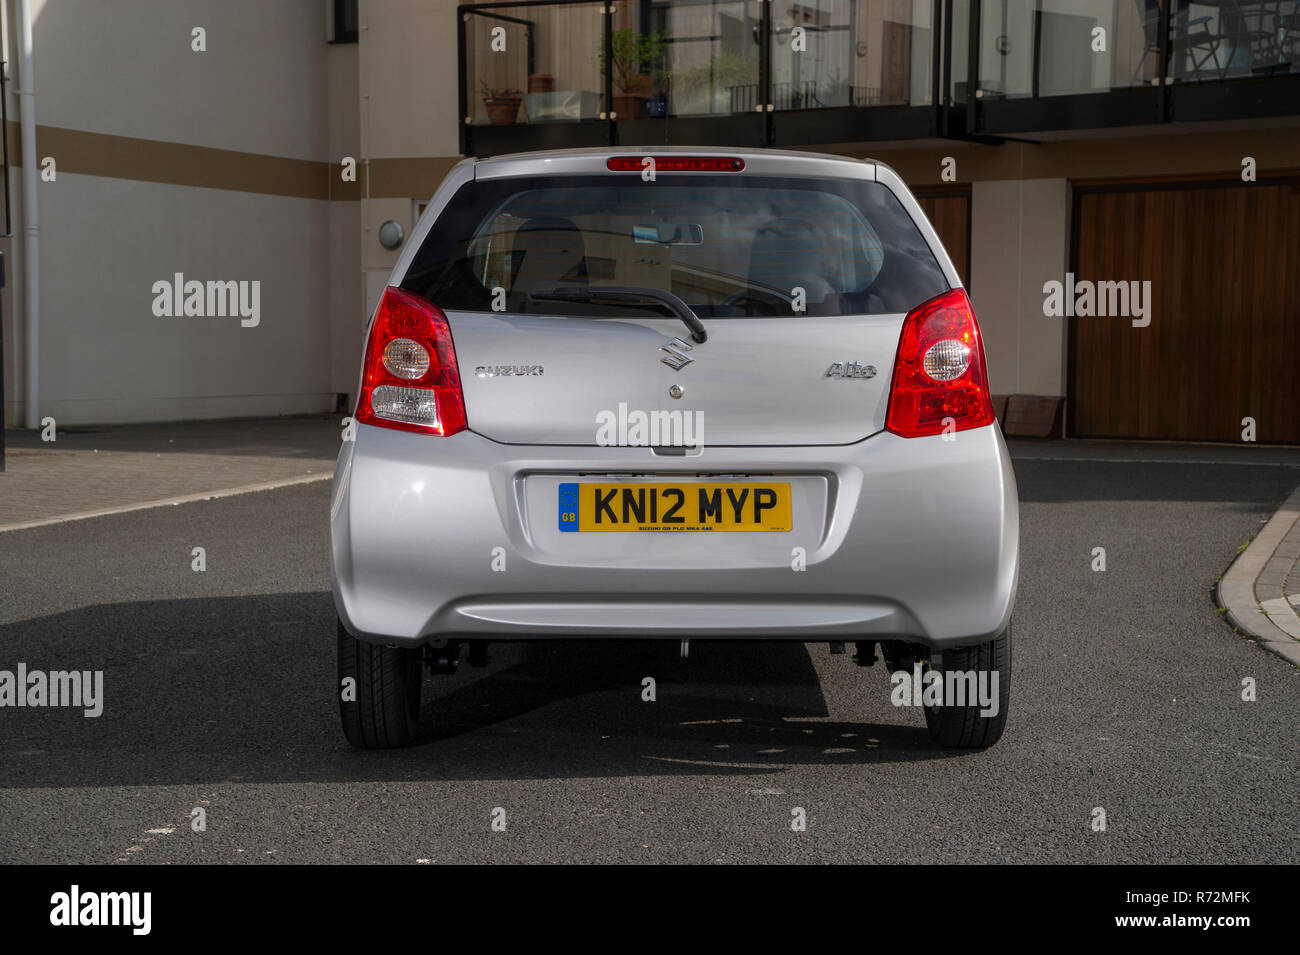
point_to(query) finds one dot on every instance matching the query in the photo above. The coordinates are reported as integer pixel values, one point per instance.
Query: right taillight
(409, 379)
(940, 382)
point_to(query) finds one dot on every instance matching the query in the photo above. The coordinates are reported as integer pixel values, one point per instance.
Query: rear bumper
(912, 539)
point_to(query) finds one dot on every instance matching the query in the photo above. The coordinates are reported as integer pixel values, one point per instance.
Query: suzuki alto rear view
(701, 394)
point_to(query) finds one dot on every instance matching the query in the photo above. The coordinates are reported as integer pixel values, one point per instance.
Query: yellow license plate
(630, 506)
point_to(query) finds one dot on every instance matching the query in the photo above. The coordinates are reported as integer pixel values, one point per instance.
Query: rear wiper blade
(625, 295)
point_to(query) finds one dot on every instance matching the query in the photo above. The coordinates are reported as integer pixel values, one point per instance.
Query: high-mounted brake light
(940, 382)
(409, 380)
(676, 163)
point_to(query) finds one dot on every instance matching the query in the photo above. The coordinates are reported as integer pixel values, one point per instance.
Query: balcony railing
(1041, 48)
(578, 72)
(809, 94)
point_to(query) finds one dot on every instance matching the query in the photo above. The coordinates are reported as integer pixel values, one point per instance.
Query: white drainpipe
(31, 226)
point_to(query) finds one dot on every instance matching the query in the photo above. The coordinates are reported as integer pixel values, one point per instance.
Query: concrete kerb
(1252, 591)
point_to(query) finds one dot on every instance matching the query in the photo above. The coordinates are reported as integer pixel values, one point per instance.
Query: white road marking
(172, 501)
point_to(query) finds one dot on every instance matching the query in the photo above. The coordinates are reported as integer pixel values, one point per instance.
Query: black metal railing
(987, 69)
(810, 94)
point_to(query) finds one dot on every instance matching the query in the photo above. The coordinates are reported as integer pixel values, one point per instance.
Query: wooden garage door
(1223, 259)
(948, 209)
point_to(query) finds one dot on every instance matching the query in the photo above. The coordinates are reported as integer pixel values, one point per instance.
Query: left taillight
(940, 379)
(410, 380)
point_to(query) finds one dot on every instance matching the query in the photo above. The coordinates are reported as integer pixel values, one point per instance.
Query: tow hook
(442, 656)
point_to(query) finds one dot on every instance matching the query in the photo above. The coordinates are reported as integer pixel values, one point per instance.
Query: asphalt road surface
(219, 694)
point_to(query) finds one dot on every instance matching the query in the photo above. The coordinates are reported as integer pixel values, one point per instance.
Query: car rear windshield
(727, 245)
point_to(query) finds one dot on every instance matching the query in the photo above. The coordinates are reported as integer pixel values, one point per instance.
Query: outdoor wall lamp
(391, 235)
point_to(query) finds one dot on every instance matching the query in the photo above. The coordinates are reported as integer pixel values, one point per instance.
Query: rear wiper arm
(625, 295)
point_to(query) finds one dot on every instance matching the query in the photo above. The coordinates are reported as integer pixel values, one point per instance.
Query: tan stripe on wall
(151, 160)
(205, 167)
(416, 178)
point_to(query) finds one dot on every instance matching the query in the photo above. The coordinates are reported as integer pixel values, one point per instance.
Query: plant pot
(502, 111)
(627, 106)
(656, 107)
(541, 83)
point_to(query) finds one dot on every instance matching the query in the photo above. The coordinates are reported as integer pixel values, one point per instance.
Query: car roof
(669, 151)
(592, 159)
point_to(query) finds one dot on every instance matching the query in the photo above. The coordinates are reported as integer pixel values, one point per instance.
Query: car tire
(383, 709)
(962, 727)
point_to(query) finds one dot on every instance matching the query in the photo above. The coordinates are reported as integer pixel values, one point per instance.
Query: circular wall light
(391, 234)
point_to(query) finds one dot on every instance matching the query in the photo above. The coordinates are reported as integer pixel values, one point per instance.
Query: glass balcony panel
(1233, 39)
(1064, 47)
(851, 53)
(690, 58)
(539, 63)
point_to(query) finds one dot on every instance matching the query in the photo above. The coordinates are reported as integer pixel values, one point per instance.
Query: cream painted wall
(105, 357)
(408, 78)
(125, 67)
(269, 84)
(1019, 240)
(378, 261)
(342, 95)
(347, 314)
(347, 307)
(374, 213)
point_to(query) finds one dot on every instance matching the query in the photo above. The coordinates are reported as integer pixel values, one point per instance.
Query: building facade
(1117, 180)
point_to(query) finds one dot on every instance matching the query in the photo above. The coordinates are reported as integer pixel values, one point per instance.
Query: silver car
(690, 394)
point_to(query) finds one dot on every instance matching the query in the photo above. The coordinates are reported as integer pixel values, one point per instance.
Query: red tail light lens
(677, 164)
(410, 380)
(940, 372)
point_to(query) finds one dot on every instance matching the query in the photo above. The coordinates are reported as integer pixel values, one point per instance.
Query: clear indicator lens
(406, 358)
(946, 360)
(411, 405)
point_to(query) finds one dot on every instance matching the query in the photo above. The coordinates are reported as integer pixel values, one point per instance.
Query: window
(728, 246)
(345, 21)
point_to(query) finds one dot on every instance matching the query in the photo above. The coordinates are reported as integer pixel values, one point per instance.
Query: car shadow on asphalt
(1243, 487)
(240, 689)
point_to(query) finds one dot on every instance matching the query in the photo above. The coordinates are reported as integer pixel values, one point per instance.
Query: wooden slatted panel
(1224, 263)
(949, 213)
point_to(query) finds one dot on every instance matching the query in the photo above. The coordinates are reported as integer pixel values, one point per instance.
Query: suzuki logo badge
(676, 357)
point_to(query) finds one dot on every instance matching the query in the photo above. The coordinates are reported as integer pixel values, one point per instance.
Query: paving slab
(87, 472)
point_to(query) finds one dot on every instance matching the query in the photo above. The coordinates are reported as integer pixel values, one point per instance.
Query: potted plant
(502, 105)
(631, 54)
